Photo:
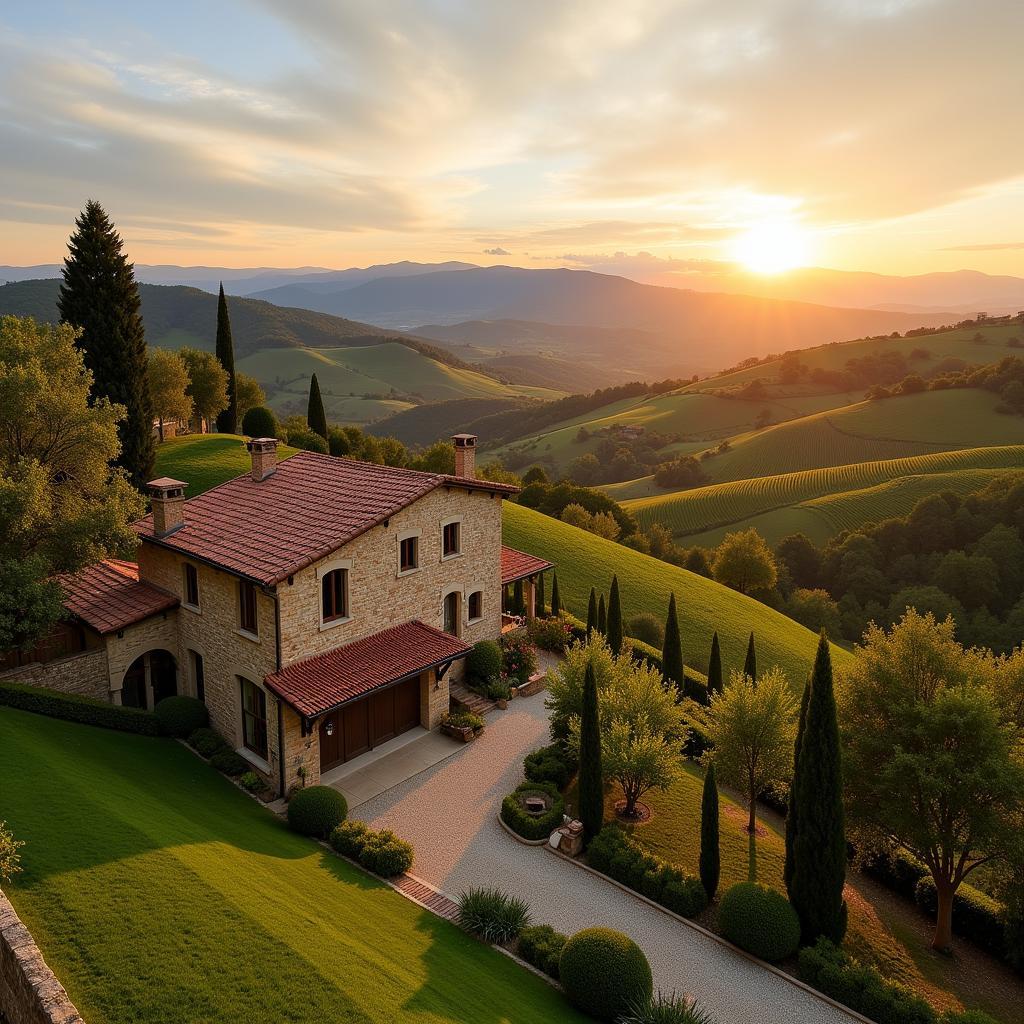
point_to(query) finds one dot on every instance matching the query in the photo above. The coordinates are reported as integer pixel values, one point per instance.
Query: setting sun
(772, 247)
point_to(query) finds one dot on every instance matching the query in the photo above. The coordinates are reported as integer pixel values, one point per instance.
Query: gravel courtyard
(449, 811)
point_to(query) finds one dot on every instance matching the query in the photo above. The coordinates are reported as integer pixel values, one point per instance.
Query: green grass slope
(206, 460)
(716, 505)
(159, 893)
(583, 560)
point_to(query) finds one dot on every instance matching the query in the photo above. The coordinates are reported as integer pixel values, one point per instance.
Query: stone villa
(318, 606)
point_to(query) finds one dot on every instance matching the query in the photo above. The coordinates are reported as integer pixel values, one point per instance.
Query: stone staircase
(467, 700)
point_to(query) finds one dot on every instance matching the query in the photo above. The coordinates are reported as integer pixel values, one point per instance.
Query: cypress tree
(227, 421)
(672, 650)
(710, 859)
(750, 665)
(316, 418)
(518, 604)
(592, 612)
(538, 601)
(614, 618)
(715, 666)
(99, 295)
(591, 784)
(818, 871)
(791, 809)
(602, 618)
(556, 604)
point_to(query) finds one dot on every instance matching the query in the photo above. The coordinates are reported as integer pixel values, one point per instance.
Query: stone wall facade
(86, 674)
(29, 992)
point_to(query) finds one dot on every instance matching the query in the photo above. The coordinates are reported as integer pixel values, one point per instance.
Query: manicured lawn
(884, 929)
(206, 460)
(158, 892)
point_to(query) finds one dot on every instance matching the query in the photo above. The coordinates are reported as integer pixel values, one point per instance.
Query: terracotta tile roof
(309, 506)
(318, 684)
(109, 596)
(517, 565)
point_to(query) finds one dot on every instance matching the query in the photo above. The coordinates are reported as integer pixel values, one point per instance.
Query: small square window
(191, 585)
(409, 554)
(452, 540)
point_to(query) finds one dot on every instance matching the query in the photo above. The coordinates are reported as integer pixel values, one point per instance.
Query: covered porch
(519, 566)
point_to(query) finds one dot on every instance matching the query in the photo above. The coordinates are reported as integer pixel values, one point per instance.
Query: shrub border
(517, 837)
(828, 1000)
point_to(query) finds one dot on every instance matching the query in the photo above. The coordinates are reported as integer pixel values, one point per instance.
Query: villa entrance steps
(470, 701)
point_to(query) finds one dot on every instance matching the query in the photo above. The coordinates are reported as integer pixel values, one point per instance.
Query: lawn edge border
(47, 998)
(777, 971)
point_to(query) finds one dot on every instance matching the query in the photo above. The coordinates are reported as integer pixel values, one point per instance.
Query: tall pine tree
(556, 601)
(99, 295)
(715, 666)
(791, 809)
(592, 612)
(591, 784)
(817, 848)
(227, 420)
(614, 618)
(316, 418)
(710, 855)
(672, 649)
(750, 665)
(602, 617)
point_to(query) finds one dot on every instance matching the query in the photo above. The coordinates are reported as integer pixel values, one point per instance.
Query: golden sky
(858, 134)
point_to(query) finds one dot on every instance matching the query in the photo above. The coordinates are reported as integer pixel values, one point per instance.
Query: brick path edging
(810, 989)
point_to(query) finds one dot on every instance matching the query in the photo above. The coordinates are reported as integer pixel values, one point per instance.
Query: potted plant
(462, 725)
(499, 691)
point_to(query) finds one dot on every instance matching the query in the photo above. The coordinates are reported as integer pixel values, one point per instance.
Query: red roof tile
(318, 684)
(309, 506)
(108, 596)
(517, 565)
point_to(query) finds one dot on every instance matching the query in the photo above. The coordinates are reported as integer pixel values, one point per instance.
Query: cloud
(497, 251)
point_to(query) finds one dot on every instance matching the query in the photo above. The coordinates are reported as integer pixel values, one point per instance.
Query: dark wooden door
(382, 716)
(356, 727)
(407, 705)
(332, 751)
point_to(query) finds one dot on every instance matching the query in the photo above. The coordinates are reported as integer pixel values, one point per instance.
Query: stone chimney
(465, 455)
(264, 456)
(168, 499)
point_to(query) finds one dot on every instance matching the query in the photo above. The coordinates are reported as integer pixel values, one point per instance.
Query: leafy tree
(710, 855)
(602, 618)
(614, 617)
(592, 612)
(646, 628)
(715, 666)
(556, 601)
(61, 505)
(752, 728)
(814, 609)
(672, 651)
(680, 473)
(535, 475)
(259, 422)
(438, 458)
(9, 856)
(248, 394)
(316, 418)
(227, 420)
(932, 736)
(538, 598)
(801, 558)
(750, 662)
(744, 562)
(696, 561)
(207, 383)
(99, 295)
(591, 780)
(816, 850)
(168, 384)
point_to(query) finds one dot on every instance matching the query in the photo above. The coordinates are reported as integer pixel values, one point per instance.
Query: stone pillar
(530, 597)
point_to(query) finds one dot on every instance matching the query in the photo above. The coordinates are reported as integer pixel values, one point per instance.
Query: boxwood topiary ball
(759, 920)
(316, 811)
(181, 716)
(604, 973)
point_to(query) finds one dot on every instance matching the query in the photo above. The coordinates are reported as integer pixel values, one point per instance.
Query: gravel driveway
(448, 813)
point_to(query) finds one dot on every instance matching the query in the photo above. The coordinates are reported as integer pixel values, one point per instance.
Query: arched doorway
(453, 613)
(150, 678)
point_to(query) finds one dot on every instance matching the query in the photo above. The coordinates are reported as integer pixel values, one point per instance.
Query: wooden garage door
(367, 723)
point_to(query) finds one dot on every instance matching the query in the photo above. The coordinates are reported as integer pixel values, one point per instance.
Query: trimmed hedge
(550, 764)
(604, 973)
(895, 870)
(181, 716)
(760, 920)
(348, 838)
(75, 708)
(483, 663)
(977, 917)
(227, 762)
(541, 946)
(383, 852)
(621, 857)
(206, 742)
(830, 970)
(527, 825)
(317, 811)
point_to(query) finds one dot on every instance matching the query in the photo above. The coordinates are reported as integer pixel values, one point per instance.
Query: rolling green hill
(583, 560)
(734, 505)
(206, 460)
